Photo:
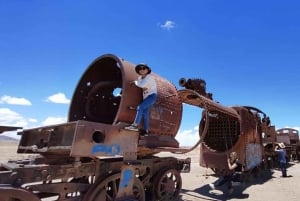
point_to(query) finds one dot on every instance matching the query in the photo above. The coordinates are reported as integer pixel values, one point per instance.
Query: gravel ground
(270, 187)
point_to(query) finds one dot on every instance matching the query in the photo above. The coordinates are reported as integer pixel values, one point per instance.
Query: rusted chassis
(92, 180)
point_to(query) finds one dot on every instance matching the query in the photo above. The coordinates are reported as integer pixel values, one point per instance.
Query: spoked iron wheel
(107, 189)
(167, 185)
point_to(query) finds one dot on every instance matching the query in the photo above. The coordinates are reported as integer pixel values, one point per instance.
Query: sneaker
(143, 132)
(131, 128)
(212, 186)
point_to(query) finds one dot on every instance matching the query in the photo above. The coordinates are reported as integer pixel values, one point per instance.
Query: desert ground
(270, 186)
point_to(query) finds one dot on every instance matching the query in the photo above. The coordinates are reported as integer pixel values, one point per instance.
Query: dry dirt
(195, 184)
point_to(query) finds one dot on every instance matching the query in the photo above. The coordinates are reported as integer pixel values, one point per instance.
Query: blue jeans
(283, 168)
(143, 111)
(235, 177)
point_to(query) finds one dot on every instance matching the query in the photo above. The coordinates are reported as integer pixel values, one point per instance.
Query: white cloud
(32, 120)
(188, 137)
(54, 120)
(14, 100)
(11, 118)
(58, 98)
(168, 25)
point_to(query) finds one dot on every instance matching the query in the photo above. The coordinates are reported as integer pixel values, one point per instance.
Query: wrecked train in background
(289, 137)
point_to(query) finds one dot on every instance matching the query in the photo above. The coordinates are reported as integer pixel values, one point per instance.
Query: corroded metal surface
(290, 137)
(8, 128)
(101, 106)
(225, 129)
(92, 156)
(292, 134)
(104, 94)
(9, 193)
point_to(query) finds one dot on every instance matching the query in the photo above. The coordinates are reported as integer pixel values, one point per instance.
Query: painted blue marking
(109, 149)
(127, 177)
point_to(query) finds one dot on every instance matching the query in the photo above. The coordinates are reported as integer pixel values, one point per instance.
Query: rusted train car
(91, 157)
(290, 138)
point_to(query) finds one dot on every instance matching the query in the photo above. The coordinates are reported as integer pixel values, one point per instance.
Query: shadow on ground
(220, 194)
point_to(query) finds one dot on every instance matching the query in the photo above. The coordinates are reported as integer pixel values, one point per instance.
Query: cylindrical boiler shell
(104, 94)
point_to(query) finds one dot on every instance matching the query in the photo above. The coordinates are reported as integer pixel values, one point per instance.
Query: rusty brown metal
(225, 129)
(8, 128)
(10, 193)
(91, 156)
(101, 106)
(104, 94)
(290, 137)
(292, 134)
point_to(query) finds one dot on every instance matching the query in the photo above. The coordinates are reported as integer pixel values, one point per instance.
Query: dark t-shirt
(238, 167)
(237, 176)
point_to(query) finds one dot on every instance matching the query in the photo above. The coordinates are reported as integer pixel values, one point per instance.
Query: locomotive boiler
(225, 129)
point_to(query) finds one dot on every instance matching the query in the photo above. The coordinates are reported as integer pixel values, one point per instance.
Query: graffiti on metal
(254, 155)
(109, 149)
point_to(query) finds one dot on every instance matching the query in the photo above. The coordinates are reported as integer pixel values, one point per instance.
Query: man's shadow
(221, 193)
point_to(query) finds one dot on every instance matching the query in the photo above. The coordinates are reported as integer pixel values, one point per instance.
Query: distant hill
(4, 138)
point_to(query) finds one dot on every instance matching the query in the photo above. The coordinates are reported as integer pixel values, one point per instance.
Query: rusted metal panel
(290, 133)
(254, 155)
(56, 139)
(8, 128)
(90, 139)
(97, 139)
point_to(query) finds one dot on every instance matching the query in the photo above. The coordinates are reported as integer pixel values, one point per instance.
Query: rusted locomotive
(227, 129)
(91, 157)
(290, 138)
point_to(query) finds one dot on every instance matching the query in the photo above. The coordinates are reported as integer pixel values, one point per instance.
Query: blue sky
(247, 51)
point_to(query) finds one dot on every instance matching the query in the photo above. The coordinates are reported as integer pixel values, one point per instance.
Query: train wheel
(167, 185)
(107, 189)
(9, 193)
